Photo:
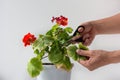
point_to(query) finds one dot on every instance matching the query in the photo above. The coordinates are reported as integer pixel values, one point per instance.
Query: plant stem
(44, 57)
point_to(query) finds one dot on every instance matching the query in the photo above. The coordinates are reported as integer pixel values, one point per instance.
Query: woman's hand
(97, 58)
(87, 33)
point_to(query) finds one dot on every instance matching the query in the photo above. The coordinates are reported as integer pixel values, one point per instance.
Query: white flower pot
(51, 73)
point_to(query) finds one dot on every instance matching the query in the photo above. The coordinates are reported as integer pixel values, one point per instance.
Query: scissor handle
(75, 33)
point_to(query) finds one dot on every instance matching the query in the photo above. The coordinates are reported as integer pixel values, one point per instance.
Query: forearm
(114, 56)
(110, 25)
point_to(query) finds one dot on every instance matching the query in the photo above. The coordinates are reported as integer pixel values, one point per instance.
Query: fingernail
(80, 29)
(78, 50)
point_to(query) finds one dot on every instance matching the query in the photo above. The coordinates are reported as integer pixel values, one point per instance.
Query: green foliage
(71, 51)
(42, 42)
(65, 64)
(53, 43)
(50, 32)
(55, 54)
(69, 29)
(34, 67)
(81, 46)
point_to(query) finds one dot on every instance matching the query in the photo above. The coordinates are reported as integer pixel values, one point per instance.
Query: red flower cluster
(28, 38)
(60, 20)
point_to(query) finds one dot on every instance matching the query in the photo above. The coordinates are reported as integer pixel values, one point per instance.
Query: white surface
(17, 17)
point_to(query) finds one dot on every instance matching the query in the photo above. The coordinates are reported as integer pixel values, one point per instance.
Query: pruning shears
(76, 32)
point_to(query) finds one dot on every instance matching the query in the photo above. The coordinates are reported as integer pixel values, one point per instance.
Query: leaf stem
(44, 57)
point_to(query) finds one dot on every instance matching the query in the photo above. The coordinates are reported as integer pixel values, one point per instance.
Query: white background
(18, 17)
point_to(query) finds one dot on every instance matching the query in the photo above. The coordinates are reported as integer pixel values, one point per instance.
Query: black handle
(75, 33)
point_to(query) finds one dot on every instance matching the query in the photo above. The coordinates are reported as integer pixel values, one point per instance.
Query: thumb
(83, 52)
(82, 62)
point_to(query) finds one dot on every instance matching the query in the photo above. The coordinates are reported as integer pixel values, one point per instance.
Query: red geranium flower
(60, 20)
(28, 39)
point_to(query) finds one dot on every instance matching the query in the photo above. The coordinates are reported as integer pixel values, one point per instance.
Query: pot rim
(47, 64)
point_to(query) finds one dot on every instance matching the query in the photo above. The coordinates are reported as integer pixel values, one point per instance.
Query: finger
(90, 41)
(76, 37)
(87, 65)
(84, 63)
(87, 27)
(81, 29)
(86, 42)
(86, 36)
(83, 52)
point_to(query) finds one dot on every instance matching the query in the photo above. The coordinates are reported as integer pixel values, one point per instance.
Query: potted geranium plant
(56, 45)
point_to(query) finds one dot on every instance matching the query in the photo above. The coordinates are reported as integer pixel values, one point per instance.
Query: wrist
(92, 25)
(97, 25)
(114, 56)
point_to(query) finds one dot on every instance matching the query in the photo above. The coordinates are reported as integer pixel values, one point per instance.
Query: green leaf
(47, 49)
(43, 42)
(60, 34)
(55, 27)
(55, 54)
(71, 50)
(41, 54)
(81, 46)
(68, 29)
(64, 64)
(48, 40)
(34, 67)
(68, 64)
(36, 51)
(49, 33)
(63, 36)
(82, 57)
(38, 44)
(40, 36)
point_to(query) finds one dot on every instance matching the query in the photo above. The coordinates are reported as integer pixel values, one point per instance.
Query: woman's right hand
(87, 33)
